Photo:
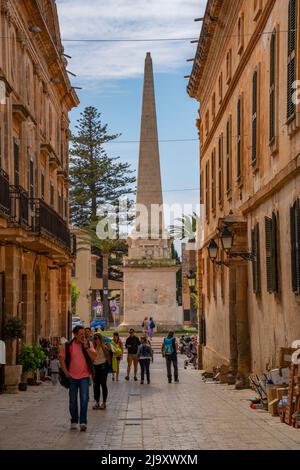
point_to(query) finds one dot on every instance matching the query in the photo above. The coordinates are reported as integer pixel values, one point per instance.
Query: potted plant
(12, 332)
(31, 357)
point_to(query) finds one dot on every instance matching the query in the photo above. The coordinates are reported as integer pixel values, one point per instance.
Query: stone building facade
(246, 62)
(36, 97)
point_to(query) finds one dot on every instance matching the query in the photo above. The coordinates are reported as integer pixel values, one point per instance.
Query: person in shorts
(132, 344)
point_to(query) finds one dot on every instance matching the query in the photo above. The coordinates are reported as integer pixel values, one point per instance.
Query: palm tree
(187, 227)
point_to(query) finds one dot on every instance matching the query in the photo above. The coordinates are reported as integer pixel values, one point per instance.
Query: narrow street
(188, 415)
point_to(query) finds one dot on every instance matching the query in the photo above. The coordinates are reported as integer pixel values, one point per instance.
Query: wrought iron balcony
(19, 206)
(47, 222)
(4, 193)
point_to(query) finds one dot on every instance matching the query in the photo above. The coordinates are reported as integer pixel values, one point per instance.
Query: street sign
(113, 309)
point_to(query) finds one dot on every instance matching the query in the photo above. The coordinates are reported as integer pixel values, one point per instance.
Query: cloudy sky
(111, 75)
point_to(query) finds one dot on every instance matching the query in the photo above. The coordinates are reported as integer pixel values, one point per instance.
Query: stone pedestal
(150, 291)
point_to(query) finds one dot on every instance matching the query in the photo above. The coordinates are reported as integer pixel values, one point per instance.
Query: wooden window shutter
(228, 152)
(254, 116)
(292, 39)
(295, 246)
(256, 260)
(272, 86)
(268, 230)
(31, 179)
(220, 169)
(213, 181)
(274, 246)
(16, 163)
(239, 137)
(207, 190)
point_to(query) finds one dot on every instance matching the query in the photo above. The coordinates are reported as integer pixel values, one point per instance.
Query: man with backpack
(169, 350)
(76, 362)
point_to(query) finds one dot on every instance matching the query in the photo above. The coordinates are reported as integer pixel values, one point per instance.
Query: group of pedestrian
(96, 356)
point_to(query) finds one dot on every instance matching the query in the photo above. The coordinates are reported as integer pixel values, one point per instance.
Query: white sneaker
(73, 426)
(83, 427)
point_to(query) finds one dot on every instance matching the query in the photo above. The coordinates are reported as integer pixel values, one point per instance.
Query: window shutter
(292, 36)
(207, 191)
(239, 138)
(272, 86)
(274, 254)
(297, 227)
(254, 116)
(256, 260)
(16, 163)
(213, 183)
(228, 146)
(268, 230)
(295, 246)
(220, 169)
(31, 179)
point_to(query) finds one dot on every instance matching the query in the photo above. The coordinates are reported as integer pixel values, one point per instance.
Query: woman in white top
(101, 364)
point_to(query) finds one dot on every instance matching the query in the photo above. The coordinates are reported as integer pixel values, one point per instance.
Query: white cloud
(117, 19)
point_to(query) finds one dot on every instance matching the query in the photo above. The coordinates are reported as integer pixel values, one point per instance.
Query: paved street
(188, 415)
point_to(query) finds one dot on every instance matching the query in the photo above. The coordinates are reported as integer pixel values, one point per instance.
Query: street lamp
(226, 239)
(192, 278)
(192, 281)
(213, 250)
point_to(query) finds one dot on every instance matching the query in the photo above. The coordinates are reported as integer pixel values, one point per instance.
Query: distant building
(35, 99)
(249, 128)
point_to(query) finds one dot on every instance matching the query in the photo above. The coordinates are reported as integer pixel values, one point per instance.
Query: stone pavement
(188, 415)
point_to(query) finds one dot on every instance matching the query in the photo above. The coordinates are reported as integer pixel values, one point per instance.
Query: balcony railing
(19, 206)
(47, 222)
(4, 193)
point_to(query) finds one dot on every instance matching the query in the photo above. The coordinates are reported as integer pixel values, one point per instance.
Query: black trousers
(145, 367)
(172, 359)
(100, 380)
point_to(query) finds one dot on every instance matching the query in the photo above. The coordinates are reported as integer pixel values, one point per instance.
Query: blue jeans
(83, 386)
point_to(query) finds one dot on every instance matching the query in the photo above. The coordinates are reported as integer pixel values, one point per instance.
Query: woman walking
(145, 355)
(117, 350)
(101, 364)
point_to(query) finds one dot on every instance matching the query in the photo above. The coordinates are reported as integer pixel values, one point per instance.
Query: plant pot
(12, 379)
(23, 386)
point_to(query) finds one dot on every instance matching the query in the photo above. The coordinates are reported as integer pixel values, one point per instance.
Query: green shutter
(256, 260)
(295, 246)
(268, 230)
(274, 245)
(16, 163)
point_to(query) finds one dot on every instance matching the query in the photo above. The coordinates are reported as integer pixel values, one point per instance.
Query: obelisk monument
(149, 270)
